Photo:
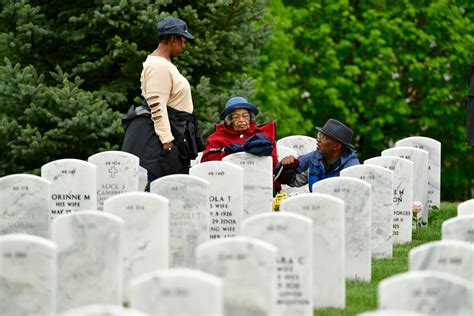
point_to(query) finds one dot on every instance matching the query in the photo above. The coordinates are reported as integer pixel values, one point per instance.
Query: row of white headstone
(189, 209)
(77, 185)
(423, 152)
(440, 280)
(247, 268)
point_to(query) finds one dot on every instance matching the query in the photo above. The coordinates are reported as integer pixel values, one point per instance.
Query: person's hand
(290, 162)
(168, 145)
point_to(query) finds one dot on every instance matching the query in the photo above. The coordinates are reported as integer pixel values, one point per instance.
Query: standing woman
(166, 143)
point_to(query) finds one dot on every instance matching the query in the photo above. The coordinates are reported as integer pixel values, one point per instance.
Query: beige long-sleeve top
(163, 85)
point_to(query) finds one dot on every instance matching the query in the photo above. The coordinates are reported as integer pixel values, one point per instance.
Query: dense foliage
(71, 69)
(41, 123)
(389, 69)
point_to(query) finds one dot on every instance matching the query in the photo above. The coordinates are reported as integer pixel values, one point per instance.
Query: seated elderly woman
(240, 133)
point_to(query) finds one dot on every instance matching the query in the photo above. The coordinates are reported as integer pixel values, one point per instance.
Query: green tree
(96, 49)
(40, 123)
(389, 69)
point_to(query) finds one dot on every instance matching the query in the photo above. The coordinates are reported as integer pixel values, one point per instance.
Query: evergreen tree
(74, 63)
(40, 123)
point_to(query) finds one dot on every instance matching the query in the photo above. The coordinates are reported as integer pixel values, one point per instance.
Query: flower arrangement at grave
(277, 200)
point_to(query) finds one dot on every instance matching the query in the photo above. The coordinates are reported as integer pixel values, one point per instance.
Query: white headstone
(402, 195)
(196, 161)
(433, 147)
(73, 185)
(258, 182)
(459, 228)
(25, 205)
(357, 195)
(381, 180)
(89, 258)
(27, 275)
(146, 218)
(419, 157)
(178, 292)
(103, 310)
(299, 143)
(189, 215)
(226, 191)
(327, 213)
(117, 172)
(466, 208)
(292, 235)
(451, 256)
(248, 269)
(142, 178)
(283, 151)
(427, 292)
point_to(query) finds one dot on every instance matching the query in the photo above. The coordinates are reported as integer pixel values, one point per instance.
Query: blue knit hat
(237, 103)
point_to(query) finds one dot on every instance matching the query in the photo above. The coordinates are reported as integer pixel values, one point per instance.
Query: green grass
(361, 296)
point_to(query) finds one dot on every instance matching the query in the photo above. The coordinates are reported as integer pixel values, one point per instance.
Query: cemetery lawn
(361, 297)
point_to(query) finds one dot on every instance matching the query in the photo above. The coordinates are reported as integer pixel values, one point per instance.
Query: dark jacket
(142, 141)
(311, 168)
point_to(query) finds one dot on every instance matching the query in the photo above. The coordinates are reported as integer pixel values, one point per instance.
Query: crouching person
(334, 153)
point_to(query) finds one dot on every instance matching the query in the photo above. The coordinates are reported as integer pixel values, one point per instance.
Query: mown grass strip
(361, 296)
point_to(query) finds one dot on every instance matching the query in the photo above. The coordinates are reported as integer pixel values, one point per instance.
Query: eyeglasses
(236, 117)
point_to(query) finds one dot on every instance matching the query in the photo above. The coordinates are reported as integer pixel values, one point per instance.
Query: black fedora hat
(340, 132)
